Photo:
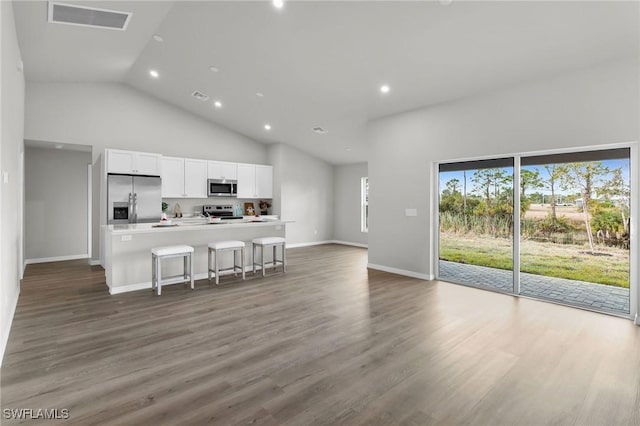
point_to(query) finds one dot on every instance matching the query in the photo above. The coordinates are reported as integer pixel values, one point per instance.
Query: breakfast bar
(127, 257)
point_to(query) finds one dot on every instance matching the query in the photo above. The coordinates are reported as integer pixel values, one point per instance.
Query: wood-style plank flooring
(327, 343)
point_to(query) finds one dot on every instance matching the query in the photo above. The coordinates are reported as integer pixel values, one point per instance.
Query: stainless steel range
(221, 211)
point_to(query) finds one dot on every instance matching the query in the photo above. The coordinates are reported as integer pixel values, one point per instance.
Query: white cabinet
(222, 170)
(132, 162)
(255, 181)
(246, 181)
(264, 182)
(184, 178)
(195, 178)
(172, 177)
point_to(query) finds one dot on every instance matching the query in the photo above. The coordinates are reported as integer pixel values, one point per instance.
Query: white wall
(589, 107)
(347, 195)
(56, 203)
(303, 192)
(111, 115)
(12, 88)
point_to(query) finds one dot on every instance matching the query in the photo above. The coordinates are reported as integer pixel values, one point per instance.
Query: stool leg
(215, 253)
(185, 267)
(191, 269)
(159, 276)
(253, 257)
(242, 261)
(274, 258)
(153, 272)
(284, 259)
(235, 272)
(209, 264)
(262, 258)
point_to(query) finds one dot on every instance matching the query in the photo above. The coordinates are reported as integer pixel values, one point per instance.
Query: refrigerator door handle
(135, 208)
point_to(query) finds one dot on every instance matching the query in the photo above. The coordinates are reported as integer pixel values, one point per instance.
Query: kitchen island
(127, 259)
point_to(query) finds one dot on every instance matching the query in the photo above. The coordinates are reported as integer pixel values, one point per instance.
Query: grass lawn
(549, 259)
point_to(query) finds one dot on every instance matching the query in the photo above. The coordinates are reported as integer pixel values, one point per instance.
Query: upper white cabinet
(255, 181)
(195, 178)
(132, 162)
(264, 181)
(172, 177)
(184, 178)
(222, 170)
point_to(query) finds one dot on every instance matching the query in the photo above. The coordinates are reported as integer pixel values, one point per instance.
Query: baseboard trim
(349, 243)
(318, 243)
(310, 243)
(147, 284)
(412, 274)
(5, 340)
(56, 259)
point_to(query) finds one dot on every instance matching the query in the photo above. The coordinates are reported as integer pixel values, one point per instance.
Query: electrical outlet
(411, 212)
(126, 238)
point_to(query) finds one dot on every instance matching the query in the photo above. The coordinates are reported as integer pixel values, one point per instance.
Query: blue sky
(611, 164)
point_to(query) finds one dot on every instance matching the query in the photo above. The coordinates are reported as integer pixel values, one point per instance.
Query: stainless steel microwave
(222, 188)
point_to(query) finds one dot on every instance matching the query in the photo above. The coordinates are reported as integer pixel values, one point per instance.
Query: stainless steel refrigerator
(133, 199)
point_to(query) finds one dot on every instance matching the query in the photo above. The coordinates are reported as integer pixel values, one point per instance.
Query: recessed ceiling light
(214, 69)
(445, 2)
(154, 73)
(319, 130)
(217, 104)
(384, 88)
(260, 94)
(158, 38)
(348, 150)
(59, 146)
(278, 4)
(267, 126)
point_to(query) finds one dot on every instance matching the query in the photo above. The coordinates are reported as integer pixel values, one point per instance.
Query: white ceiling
(321, 63)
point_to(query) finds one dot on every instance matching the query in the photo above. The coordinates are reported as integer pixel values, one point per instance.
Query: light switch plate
(411, 212)
(5, 177)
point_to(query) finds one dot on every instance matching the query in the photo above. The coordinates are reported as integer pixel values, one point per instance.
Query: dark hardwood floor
(327, 343)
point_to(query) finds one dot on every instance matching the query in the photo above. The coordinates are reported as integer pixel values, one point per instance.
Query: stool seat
(267, 241)
(221, 245)
(171, 250)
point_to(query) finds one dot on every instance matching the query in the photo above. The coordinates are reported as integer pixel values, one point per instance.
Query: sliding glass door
(476, 223)
(572, 224)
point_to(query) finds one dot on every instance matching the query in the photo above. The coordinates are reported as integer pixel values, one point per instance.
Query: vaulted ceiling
(319, 63)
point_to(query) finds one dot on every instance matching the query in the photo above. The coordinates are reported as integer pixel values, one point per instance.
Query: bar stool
(167, 252)
(221, 246)
(266, 242)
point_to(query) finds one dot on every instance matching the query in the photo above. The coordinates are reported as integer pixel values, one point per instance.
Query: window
(364, 204)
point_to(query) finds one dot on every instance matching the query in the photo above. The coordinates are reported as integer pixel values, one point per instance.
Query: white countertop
(191, 225)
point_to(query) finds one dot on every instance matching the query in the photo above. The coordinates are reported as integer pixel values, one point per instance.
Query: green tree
(529, 179)
(584, 177)
(452, 186)
(554, 176)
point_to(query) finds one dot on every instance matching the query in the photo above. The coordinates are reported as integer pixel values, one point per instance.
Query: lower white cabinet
(255, 181)
(184, 178)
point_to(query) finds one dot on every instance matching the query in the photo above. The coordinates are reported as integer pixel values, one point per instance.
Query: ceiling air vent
(200, 96)
(319, 130)
(70, 14)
